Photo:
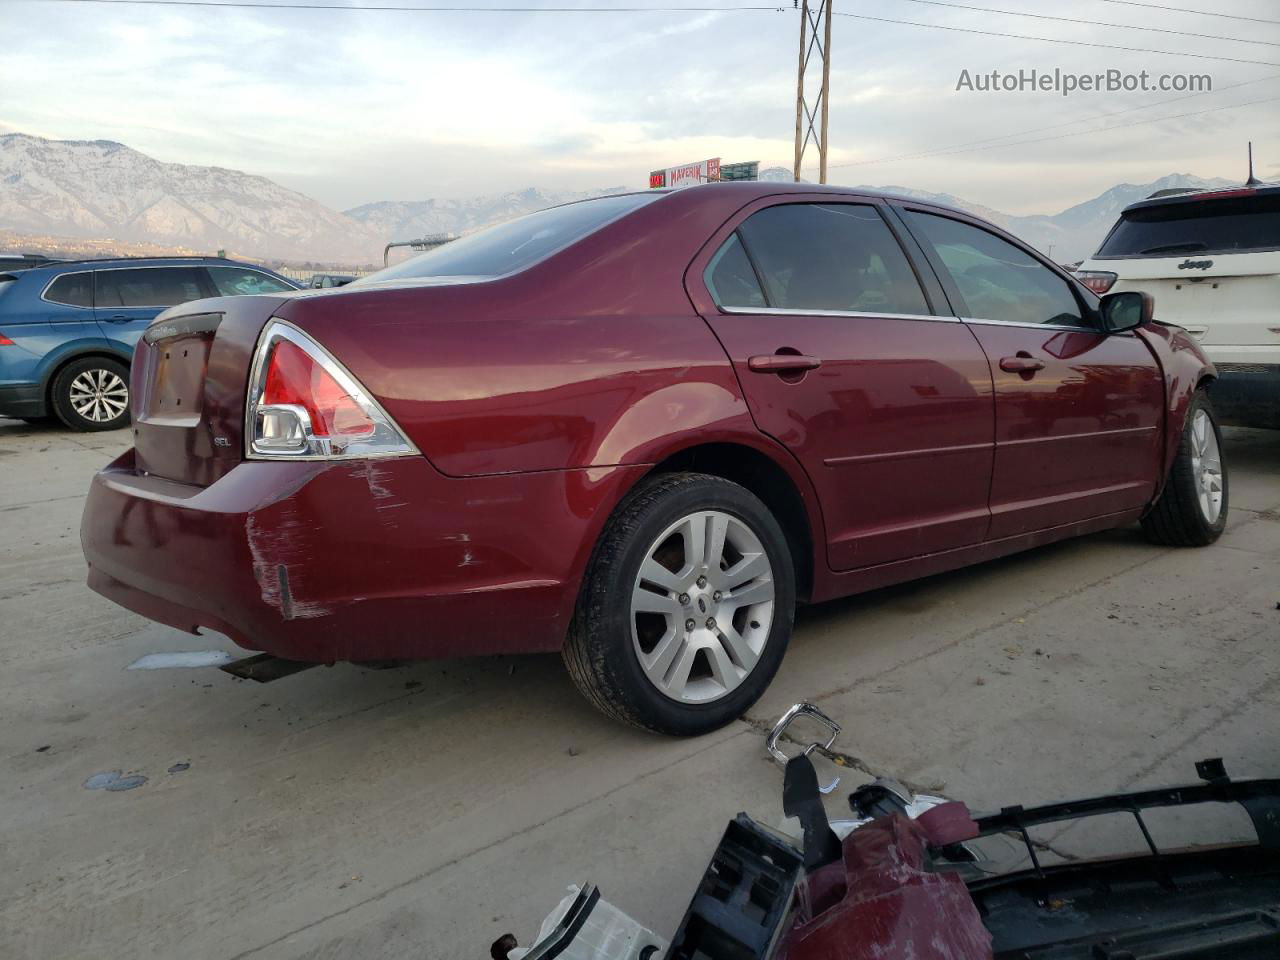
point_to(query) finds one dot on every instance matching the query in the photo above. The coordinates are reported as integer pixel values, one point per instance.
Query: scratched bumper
(355, 560)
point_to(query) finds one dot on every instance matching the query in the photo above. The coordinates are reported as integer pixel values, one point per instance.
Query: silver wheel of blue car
(92, 394)
(99, 395)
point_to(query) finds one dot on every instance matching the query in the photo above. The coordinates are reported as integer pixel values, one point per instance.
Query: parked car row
(636, 429)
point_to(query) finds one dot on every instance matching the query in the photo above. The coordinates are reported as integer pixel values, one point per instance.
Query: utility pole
(811, 122)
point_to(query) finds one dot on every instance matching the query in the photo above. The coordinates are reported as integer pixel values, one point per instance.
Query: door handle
(118, 318)
(1022, 363)
(782, 363)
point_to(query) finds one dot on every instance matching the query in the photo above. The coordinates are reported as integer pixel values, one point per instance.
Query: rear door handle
(782, 362)
(118, 318)
(1021, 364)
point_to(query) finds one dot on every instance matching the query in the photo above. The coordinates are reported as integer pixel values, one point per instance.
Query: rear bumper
(22, 400)
(1247, 394)
(356, 560)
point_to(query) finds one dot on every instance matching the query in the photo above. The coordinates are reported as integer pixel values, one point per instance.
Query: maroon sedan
(638, 430)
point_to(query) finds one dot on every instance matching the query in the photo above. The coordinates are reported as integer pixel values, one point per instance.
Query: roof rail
(194, 258)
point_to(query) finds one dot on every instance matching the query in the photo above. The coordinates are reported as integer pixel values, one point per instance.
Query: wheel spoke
(717, 529)
(646, 601)
(723, 669)
(651, 571)
(758, 592)
(678, 677)
(663, 654)
(738, 647)
(747, 569)
(694, 534)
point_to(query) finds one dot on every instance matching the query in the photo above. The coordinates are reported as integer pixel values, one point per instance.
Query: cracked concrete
(425, 810)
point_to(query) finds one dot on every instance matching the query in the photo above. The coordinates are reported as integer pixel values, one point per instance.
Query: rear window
(1228, 225)
(73, 289)
(517, 244)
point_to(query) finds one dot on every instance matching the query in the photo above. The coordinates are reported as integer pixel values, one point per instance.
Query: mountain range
(99, 190)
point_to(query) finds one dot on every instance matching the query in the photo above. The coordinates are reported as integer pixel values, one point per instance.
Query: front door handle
(1022, 363)
(118, 318)
(782, 363)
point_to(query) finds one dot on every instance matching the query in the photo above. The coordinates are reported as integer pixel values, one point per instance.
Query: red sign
(687, 175)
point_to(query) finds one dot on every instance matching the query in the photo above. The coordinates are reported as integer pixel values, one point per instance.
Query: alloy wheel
(1206, 466)
(99, 396)
(702, 607)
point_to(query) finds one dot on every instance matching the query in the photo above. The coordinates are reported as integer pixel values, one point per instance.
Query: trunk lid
(188, 385)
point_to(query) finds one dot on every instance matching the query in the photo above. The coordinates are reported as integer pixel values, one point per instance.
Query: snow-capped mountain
(407, 219)
(101, 189)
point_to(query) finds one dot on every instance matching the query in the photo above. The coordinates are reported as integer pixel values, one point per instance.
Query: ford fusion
(639, 430)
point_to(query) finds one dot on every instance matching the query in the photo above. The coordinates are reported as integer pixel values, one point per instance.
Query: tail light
(303, 404)
(1099, 281)
(5, 341)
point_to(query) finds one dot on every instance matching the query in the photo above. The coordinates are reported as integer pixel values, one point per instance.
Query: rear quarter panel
(593, 357)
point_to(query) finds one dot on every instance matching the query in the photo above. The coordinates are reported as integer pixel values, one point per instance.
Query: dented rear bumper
(350, 560)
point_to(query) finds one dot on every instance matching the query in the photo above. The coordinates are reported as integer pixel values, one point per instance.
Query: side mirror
(1125, 311)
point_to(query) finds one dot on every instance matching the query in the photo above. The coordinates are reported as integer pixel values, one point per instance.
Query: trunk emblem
(1195, 264)
(221, 442)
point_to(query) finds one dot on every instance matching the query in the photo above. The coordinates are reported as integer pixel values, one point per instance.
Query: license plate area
(179, 362)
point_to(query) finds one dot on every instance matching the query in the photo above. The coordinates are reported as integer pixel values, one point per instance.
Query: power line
(1092, 23)
(1023, 36)
(1061, 136)
(1072, 123)
(1203, 13)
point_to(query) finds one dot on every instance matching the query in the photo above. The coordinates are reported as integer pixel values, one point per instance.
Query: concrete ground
(422, 811)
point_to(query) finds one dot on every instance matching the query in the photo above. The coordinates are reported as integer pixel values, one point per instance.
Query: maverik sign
(686, 175)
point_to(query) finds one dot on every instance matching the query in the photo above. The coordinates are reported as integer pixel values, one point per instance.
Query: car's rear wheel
(92, 394)
(1192, 509)
(687, 607)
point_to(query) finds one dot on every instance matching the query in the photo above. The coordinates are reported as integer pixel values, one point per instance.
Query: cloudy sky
(352, 106)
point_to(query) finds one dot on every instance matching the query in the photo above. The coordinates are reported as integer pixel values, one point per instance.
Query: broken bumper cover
(350, 560)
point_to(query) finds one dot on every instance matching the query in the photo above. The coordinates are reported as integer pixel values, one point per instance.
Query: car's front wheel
(92, 394)
(1192, 509)
(687, 607)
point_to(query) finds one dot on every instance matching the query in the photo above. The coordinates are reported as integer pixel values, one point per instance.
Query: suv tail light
(303, 404)
(1099, 281)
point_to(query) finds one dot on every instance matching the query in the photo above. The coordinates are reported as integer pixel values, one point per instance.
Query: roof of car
(1164, 198)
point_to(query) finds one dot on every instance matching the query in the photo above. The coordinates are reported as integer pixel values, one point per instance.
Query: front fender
(1184, 367)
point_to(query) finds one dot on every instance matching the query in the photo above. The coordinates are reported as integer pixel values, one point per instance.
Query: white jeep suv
(1211, 260)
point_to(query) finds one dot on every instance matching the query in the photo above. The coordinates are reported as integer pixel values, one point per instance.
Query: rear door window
(148, 286)
(71, 289)
(838, 257)
(731, 279)
(238, 282)
(1226, 225)
(997, 280)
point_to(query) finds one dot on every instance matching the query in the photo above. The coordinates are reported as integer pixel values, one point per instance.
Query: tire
(708, 657)
(1184, 515)
(92, 394)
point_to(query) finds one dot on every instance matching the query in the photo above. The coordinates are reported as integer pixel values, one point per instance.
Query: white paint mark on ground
(168, 661)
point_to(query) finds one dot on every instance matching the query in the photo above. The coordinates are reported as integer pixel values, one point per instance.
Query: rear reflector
(1099, 281)
(303, 404)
